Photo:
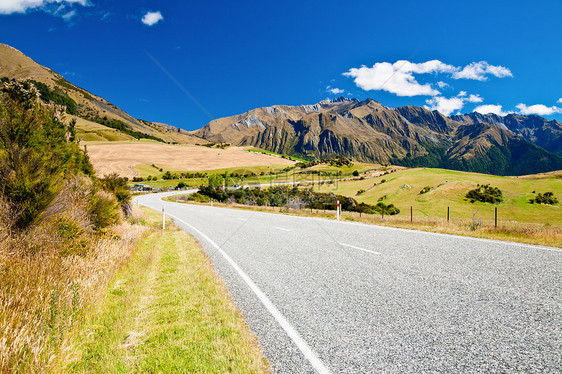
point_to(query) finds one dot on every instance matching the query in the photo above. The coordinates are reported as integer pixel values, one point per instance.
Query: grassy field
(167, 312)
(448, 188)
(262, 174)
(259, 150)
(122, 157)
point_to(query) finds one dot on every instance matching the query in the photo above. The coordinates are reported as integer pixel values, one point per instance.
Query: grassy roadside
(506, 230)
(167, 311)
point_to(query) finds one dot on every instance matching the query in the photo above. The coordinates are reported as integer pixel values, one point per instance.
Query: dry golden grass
(122, 157)
(507, 230)
(49, 279)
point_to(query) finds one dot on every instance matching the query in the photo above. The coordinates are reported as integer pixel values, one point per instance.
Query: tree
(38, 152)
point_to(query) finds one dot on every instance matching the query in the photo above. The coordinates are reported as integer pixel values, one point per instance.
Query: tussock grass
(52, 273)
(44, 295)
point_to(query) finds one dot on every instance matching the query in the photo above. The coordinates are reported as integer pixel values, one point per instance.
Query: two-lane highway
(341, 297)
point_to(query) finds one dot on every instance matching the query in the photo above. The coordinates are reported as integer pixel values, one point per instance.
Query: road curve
(351, 298)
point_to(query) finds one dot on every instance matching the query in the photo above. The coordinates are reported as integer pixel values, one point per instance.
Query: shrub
(104, 209)
(426, 189)
(198, 198)
(355, 173)
(360, 192)
(546, 198)
(485, 194)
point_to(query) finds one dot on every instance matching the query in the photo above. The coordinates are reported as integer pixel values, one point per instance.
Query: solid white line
(281, 228)
(359, 248)
(242, 219)
(289, 329)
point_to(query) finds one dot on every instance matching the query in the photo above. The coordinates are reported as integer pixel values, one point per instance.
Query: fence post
(163, 218)
(447, 214)
(411, 214)
(211, 202)
(496, 216)
(338, 210)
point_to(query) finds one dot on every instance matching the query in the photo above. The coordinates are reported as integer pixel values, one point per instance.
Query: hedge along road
(343, 297)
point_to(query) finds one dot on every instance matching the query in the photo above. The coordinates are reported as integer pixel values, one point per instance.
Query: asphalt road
(343, 297)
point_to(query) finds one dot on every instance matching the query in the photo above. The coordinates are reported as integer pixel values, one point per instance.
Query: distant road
(341, 297)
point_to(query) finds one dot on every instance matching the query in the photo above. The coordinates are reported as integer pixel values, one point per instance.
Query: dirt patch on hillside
(121, 158)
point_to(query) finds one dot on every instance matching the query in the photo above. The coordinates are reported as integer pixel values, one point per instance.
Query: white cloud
(479, 70)
(559, 101)
(474, 99)
(334, 90)
(152, 18)
(399, 79)
(539, 109)
(489, 108)
(69, 15)
(22, 6)
(447, 106)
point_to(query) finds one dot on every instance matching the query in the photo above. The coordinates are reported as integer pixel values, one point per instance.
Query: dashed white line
(289, 329)
(359, 248)
(281, 228)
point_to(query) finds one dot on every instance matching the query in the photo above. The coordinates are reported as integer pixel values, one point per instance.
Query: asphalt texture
(369, 299)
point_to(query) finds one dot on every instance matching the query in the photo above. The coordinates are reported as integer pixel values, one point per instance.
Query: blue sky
(184, 62)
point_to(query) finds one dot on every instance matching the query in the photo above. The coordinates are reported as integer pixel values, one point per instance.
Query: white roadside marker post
(163, 218)
(338, 210)
(211, 202)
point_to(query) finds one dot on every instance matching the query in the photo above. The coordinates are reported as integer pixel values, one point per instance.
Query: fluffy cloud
(559, 101)
(152, 18)
(334, 90)
(489, 108)
(399, 79)
(447, 106)
(22, 6)
(539, 109)
(479, 70)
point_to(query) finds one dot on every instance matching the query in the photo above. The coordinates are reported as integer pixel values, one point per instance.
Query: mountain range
(361, 130)
(410, 136)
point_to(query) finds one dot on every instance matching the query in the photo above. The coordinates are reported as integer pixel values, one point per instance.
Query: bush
(199, 198)
(360, 192)
(485, 194)
(104, 209)
(426, 189)
(546, 198)
(355, 173)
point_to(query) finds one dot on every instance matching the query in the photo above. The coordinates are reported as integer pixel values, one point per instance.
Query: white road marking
(289, 329)
(281, 228)
(359, 248)
(242, 219)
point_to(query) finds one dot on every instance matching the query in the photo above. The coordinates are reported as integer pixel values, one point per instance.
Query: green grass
(167, 312)
(448, 190)
(296, 174)
(258, 150)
